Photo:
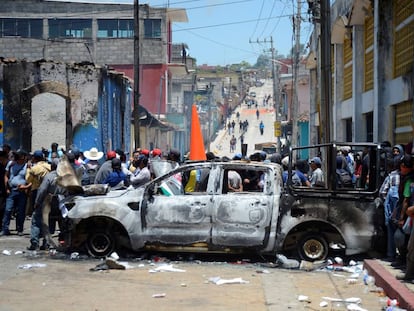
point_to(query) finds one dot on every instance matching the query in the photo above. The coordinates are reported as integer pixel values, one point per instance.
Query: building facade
(99, 34)
(372, 66)
(70, 104)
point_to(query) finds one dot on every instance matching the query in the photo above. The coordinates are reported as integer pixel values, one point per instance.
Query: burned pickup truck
(180, 212)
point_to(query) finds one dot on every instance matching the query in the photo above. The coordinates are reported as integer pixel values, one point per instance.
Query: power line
(260, 15)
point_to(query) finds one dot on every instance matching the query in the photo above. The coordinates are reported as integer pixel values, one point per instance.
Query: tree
(263, 61)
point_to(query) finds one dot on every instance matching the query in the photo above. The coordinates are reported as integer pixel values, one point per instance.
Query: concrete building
(71, 104)
(100, 34)
(372, 71)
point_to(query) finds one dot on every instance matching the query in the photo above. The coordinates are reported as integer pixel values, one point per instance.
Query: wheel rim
(313, 249)
(100, 244)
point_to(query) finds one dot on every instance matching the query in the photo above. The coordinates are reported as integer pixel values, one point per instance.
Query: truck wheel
(313, 247)
(100, 243)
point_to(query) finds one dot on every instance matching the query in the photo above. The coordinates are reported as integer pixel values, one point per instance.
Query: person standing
(389, 193)
(142, 175)
(91, 166)
(317, 179)
(4, 159)
(261, 127)
(35, 173)
(106, 168)
(407, 211)
(16, 181)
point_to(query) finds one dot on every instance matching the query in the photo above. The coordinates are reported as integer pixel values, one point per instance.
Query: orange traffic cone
(197, 151)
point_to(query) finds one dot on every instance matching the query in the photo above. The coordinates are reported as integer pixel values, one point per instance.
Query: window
(191, 180)
(115, 28)
(152, 28)
(26, 28)
(72, 28)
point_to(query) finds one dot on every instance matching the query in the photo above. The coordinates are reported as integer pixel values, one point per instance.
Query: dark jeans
(36, 227)
(391, 248)
(16, 199)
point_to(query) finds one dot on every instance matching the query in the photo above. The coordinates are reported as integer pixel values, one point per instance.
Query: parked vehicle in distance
(266, 217)
(252, 94)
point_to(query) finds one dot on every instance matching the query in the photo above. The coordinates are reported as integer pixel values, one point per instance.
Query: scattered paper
(32, 265)
(355, 307)
(166, 268)
(303, 298)
(219, 281)
(347, 300)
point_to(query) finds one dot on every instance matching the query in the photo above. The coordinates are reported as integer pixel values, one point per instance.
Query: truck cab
(330, 216)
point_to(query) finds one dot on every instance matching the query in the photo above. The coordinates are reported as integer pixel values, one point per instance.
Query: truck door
(242, 219)
(177, 214)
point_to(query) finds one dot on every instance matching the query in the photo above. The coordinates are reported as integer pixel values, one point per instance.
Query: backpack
(88, 175)
(344, 178)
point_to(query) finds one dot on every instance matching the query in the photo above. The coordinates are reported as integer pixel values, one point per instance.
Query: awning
(177, 69)
(311, 61)
(339, 29)
(360, 10)
(177, 15)
(147, 119)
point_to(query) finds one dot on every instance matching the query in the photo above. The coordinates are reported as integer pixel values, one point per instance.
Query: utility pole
(276, 97)
(326, 74)
(295, 106)
(137, 51)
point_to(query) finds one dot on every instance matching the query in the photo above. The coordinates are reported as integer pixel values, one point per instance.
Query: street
(221, 145)
(46, 280)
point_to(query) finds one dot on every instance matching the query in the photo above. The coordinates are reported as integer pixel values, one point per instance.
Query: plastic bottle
(286, 262)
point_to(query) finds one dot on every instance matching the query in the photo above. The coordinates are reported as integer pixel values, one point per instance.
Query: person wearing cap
(36, 171)
(156, 154)
(106, 167)
(317, 178)
(142, 174)
(16, 181)
(91, 167)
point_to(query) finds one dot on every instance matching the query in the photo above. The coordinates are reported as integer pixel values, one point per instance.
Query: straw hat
(93, 154)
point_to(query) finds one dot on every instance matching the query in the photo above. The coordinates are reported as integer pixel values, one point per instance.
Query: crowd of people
(397, 192)
(30, 187)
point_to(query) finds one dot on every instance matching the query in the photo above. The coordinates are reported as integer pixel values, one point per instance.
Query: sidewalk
(384, 275)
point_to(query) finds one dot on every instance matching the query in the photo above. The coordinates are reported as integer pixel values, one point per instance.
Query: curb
(393, 288)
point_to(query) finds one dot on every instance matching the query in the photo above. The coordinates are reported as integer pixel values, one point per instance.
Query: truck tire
(100, 243)
(313, 247)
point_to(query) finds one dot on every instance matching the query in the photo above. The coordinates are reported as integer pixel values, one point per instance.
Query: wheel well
(331, 234)
(95, 223)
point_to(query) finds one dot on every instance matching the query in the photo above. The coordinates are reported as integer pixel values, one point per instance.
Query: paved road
(67, 284)
(221, 146)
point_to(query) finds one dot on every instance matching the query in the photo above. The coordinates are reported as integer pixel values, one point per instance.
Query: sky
(225, 32)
